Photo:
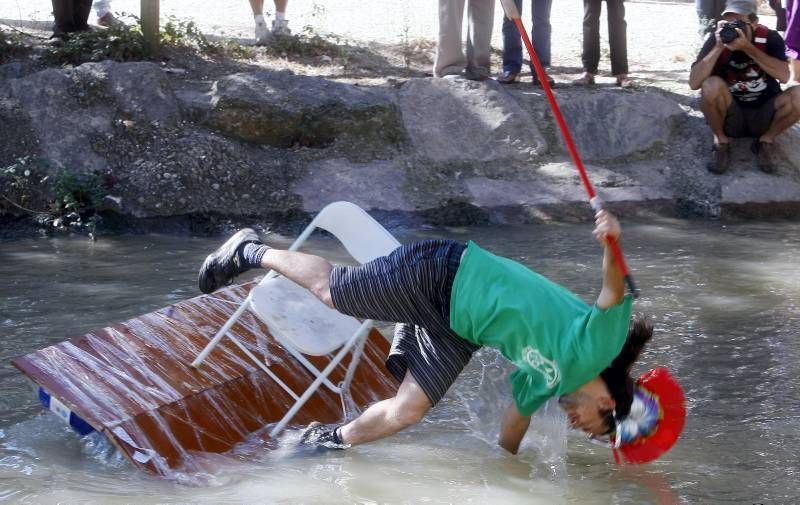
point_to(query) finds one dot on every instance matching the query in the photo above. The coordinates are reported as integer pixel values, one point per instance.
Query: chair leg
(309, 366)
(356, 356)
(221, 333)
(314, 386)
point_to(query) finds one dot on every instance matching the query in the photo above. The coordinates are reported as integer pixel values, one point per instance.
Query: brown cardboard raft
(133, 382)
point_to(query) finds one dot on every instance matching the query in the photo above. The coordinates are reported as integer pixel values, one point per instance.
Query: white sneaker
(281, 27)
(262, 32)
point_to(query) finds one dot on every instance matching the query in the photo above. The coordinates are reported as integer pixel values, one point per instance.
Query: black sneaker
(536, 82)
(322, 436)
(221, 266)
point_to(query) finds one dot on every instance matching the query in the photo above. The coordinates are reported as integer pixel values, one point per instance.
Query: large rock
(556, 192)
(284, 110)
(606, 125)
(753, 194)
(376, 185)
(71, 110)
(459, 121)
(200, 172)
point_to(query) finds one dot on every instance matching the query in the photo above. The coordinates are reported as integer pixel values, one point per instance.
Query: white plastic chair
(300, 322)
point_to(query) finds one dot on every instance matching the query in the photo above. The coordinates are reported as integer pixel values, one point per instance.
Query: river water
(726, 300)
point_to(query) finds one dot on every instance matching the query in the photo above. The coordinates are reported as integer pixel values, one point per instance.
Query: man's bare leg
(388, 417)
(280, 25)
(787, 113)
(794, 71)
(309, 271)
(261, 31)
(715, 99)
(257, 6)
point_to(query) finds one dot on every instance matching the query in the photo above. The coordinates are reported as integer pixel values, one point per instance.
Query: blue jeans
(540, 36)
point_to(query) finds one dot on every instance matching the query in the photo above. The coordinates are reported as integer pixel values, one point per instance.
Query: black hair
(618, 374)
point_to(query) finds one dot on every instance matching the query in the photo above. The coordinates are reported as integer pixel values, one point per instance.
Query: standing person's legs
(102, 7)
(257, 7)
(479, 38)
(618, 40)
(591, 41)
(63, 18)
(793, 38)
(541, 30)
(105, 17)
(280, 25)
(708, 13)
(261, 30)
(450, 58)
(512, 48)
(80, 14)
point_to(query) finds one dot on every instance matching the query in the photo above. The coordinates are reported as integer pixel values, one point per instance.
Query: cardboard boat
(133, 382)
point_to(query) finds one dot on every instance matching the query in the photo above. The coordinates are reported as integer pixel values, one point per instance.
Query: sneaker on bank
(223, 265)
(536, 82)
(262, 32)
(508, 77)
(281, 27)
(108, 20)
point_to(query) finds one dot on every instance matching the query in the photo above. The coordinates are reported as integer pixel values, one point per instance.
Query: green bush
(307, 44)
(185, 34)
(11, 46)
(125, 42)
(119, 43)
(66, 200)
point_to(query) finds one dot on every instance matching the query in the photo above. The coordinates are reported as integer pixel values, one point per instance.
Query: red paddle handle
(513, 14)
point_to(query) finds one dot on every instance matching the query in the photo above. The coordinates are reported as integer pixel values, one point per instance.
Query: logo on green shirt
(546, 367)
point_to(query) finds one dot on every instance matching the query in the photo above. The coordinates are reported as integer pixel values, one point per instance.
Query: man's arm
(704, 67)
(613, 291)
(513, 429)
(775, 67)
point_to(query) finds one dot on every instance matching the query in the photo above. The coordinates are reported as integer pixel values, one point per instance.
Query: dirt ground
(394, 40)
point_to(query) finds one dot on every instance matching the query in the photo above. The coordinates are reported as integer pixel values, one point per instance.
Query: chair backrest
(363, 237)
(293, 314)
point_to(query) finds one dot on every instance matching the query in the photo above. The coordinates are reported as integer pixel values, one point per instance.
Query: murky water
(727, 304)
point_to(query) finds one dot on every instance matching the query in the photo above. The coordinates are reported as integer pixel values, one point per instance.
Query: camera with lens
(728, 31)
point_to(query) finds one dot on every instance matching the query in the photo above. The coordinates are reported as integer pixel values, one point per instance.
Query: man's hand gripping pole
(512, 13)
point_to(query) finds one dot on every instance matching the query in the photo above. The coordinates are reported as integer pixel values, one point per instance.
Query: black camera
(728, 32)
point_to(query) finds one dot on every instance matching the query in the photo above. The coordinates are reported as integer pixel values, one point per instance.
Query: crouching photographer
(738, 71)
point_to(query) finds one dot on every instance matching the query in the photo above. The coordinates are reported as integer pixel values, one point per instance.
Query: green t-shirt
(557, 341)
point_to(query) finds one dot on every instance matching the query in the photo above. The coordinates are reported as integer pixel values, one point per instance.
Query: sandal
(624, 82)
(586, 79)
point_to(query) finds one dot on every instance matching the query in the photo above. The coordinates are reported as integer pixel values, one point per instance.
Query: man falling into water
(449, 299)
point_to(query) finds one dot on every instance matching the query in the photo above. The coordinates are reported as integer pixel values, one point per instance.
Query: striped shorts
(411, 287)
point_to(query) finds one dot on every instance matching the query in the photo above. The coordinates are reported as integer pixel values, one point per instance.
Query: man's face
(587, 407)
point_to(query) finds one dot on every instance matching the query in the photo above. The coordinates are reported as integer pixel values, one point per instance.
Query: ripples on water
(725, 299)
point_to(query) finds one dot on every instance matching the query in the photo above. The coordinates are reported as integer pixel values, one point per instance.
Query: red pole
(513, 14)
